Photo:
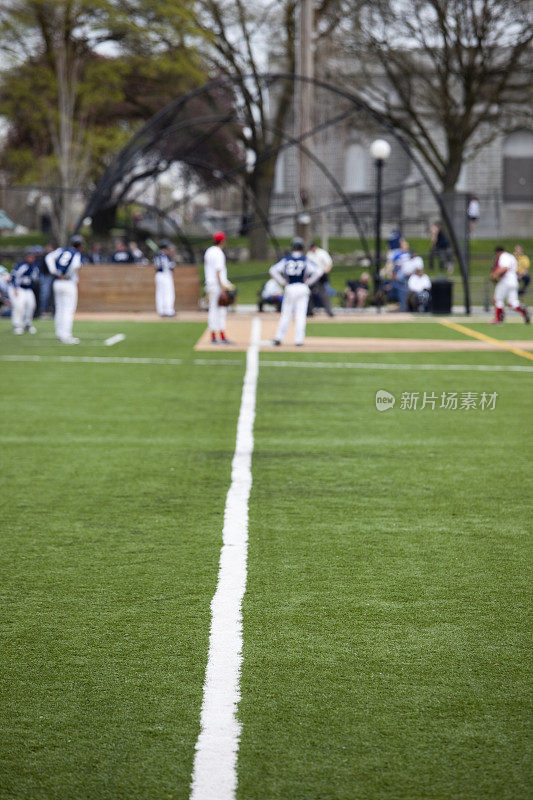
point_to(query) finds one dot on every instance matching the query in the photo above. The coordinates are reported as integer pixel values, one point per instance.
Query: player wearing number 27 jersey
(296, 273)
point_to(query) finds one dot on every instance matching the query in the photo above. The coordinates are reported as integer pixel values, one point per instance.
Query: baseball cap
(75, 241)
(297, 243)
(219, 236)
(163, 244)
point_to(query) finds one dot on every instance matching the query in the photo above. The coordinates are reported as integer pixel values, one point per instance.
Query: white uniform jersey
(214, 264)
(419, 283)
(508, 261)
(64, 261)
(271, 289)
(321, 258)
(163, 263)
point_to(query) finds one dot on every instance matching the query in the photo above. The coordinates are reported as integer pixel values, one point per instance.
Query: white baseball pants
(22, 308)
(165, 294)
(216, 315)
(506, 291)
(66, 300)
(295, 301)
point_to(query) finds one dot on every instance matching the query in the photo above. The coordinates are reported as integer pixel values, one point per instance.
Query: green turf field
(385, 624)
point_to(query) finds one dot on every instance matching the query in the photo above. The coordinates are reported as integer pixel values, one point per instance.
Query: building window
(518, 167)
(355, 168)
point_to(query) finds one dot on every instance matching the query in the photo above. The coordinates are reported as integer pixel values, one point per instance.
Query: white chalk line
(118, 337)
(214, 774)
(408, 367)
(226, 362)
(95, 359)
(44, 339)
(53, 336)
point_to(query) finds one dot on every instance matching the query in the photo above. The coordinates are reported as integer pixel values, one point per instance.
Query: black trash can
(441, 296)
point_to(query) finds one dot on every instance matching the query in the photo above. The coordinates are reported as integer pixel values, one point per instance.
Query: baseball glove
(496, 274)
(227, 297)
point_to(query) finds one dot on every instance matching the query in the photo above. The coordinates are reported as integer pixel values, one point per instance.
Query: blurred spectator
(122, 254)
(440, 248)
(356, 292)
(46, 280)
(523, 261)
(394, 243)
(24, 277)
(137, 253)
(419, 288)
(401, 270)
(472, 212)
(387, 292)
(272, 294)
(96, 254)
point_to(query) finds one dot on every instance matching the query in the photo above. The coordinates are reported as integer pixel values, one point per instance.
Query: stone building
(500, 176)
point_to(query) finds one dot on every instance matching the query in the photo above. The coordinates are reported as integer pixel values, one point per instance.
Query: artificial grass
(385, 622)
(385, 330)
(385, 627)
(115, 487)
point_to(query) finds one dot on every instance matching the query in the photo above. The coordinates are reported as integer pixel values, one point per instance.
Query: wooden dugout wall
(130, 287)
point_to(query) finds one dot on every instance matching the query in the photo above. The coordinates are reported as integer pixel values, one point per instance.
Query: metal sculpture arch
(193, 139)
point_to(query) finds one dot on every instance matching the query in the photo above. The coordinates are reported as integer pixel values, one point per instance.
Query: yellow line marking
(484, 338)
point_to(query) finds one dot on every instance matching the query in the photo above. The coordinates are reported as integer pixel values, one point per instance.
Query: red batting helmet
(219, 236)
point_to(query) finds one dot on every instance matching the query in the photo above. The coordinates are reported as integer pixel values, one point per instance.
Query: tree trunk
(261, 185)
(452, 168)
(104, 220)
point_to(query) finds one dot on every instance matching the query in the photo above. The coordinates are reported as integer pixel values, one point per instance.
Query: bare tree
(448, 74)
(247, 38)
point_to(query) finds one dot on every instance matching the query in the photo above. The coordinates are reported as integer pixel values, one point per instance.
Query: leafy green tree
(80, 78)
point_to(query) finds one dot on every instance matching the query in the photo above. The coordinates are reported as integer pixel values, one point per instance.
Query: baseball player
(324, 262)
(297, 274)
(504, 274)
(216, 284)
(165, 294)
(64, 263)
(23, 278)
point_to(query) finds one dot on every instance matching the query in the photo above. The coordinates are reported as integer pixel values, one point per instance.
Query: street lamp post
(380, 151)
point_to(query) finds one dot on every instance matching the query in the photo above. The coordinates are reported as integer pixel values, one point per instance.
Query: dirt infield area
(238, 332)
(239, 329)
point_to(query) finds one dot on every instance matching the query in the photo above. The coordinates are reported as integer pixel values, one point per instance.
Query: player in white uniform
(324, 262)
(64, 263)
(216, 281)
(23, 277)
(296, 273)
(504, 272)
(165, 294)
